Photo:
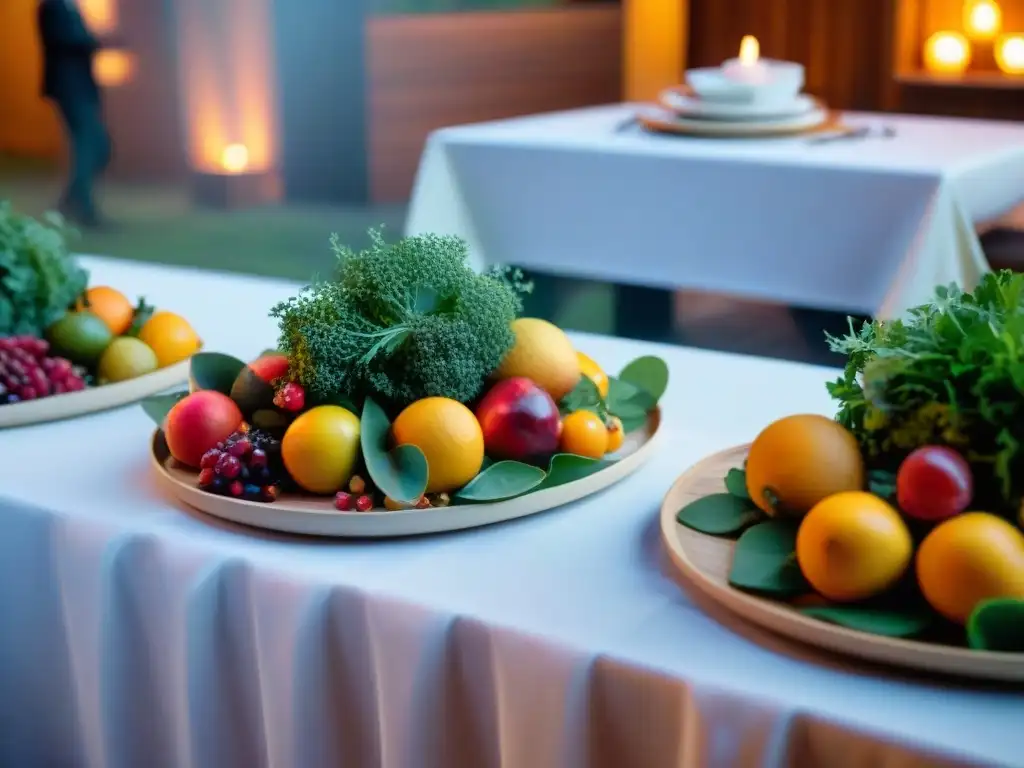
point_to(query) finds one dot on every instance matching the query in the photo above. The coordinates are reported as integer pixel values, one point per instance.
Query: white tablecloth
(867, 226)
(137, 633)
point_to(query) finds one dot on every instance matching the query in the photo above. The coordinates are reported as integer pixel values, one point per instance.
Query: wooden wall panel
(427, 72)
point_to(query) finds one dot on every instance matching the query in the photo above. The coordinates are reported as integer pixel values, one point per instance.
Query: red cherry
(364, 503)
(236, 488)
(342, 501)
(934, 483)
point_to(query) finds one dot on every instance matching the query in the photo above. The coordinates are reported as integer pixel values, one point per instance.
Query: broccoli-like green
(400, 322)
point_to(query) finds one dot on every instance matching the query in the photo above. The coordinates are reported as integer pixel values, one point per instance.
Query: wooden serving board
(704, 562)
(92, 399)
(316, 516)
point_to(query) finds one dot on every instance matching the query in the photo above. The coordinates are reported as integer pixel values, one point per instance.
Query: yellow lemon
(967, 559)
(542, 353)
(126, 358)
(853, 545)
(171, 337)
(801, 460)
(450, 437)
(320, 448)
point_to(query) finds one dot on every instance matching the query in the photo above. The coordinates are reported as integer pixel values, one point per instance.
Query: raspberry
(290, 397)
(364, 503)
(206, 477)
(228, 466)
(240, 448)
(209, 460)
(343, 501)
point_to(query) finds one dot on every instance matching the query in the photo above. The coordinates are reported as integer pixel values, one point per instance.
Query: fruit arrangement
(58, 334)
(901, 517)
(406, 381)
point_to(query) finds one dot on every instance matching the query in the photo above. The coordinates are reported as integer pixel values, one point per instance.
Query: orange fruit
(969, 558)
(584, 434)
(171, 337)
(801, 460)
(320, 448)
(109, 305)
(594, 372)
(853, 545)
(450, 437)
(616, 434)
(542, 353)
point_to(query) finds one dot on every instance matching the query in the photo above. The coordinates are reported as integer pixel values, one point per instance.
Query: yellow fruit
(109, 305)
(125, 358)
(584, 434)
(170, 337)
(967, 559)
(450, 437)
(320, 448)
(852, 546)
(801, 460)
(594, 372)
(544, 354)
(616, 434)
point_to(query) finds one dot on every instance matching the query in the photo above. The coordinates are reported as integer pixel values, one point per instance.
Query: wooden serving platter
(704, 562)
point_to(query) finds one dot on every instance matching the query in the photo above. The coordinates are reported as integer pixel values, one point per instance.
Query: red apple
(519, 420)
(198, 422)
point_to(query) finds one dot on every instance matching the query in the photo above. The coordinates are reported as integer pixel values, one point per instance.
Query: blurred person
(68, 52)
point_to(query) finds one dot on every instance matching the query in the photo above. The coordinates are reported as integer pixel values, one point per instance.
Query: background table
(137, 633)
(869, 226)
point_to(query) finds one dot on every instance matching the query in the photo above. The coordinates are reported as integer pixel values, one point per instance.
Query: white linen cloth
(138, 633)
(868, 226)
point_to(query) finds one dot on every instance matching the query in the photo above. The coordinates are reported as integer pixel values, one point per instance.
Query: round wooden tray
(72, 404)
(704, 561)
(317, 517)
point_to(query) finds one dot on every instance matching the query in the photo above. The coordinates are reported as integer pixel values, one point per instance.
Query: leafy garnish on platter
(158, 406)
(951, 373)
(216, 371)
(764, 561)
(632, 395)
(997, 625)
(719, 514)
(875, 621)
(400, 473)
(736, 483)
(505, 480)
(648, 373)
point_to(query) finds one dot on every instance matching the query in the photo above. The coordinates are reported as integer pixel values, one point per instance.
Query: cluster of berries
(26, 373)
(358, 497)
(245, 466)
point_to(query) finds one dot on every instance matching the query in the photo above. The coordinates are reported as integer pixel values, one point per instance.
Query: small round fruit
(800, 460)
(109, 305)
(198, 423)
(450, 437)
(81, 337)
(542, 353)
(126, 358)
(342, 501)
(594, 372)
(584, 434)
(171, 337)
(364, 504)
(934, 483)
(853, 545)
(616, 434)
(969, 558)
(320, 448)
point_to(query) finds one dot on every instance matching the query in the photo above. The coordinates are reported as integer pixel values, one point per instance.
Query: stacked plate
(683, 110)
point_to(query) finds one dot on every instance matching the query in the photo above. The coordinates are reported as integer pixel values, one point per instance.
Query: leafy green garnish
(951, 373)
(39, 280)
(400, 473)
(400, 322)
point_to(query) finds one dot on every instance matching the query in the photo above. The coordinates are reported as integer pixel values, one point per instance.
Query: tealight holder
(778, 82)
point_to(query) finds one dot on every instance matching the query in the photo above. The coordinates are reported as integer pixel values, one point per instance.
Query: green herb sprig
(951, 373)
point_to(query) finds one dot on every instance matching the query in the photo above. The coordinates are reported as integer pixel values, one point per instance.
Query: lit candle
(1010, 54)
(947, 53)
(982, 19)
(749, 67)
(234, 158)
(113, 67)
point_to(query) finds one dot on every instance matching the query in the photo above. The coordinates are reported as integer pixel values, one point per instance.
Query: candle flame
(983, 18)
(235, 158)
(750, 50)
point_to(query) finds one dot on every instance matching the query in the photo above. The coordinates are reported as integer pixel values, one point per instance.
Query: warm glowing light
(1010, 54)
(947, 53)
(113, 67)
(982, 19)
(750, 51)
(234, 158)
(99, 15)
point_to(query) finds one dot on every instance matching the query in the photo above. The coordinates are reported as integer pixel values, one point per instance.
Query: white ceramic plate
(666, 121)
(317, 517)
(686, 105)
(72, 404)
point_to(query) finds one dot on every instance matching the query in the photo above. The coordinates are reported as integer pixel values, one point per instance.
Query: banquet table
(136, 632)
(867, 226)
